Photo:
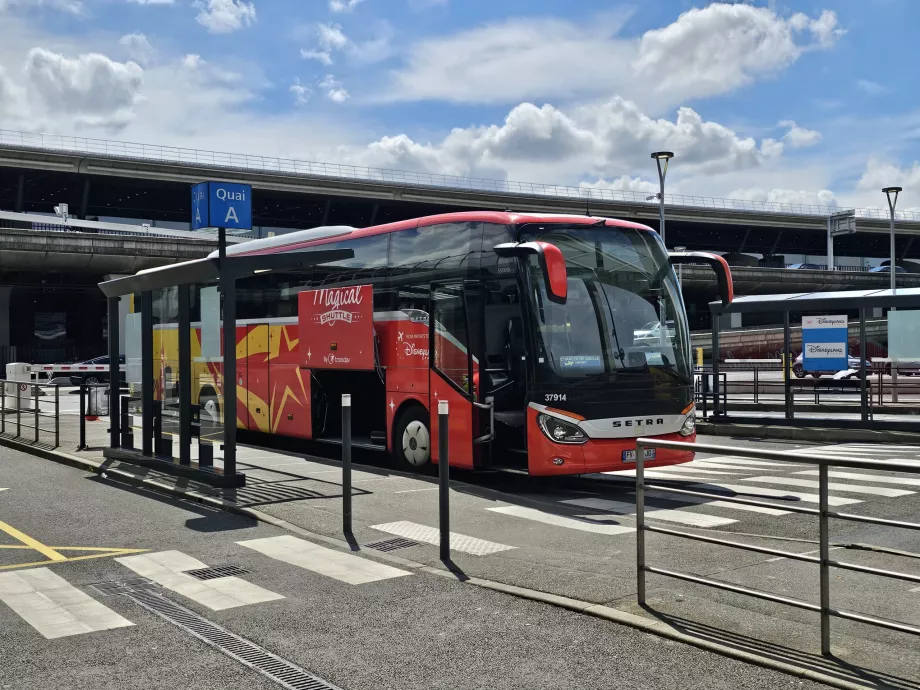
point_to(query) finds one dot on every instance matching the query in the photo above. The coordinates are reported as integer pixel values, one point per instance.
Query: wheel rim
(92, 380)
(211, 408)
(416, 444)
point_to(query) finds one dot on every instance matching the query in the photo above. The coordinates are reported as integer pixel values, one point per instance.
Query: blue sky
(799, 101)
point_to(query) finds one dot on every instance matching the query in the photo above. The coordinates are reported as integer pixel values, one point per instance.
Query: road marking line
(749, 490)
(108, 553)
(342, 566)
(53, 607)
(690, 467)
(731, 460)
(431, 535)
(45, 551)
(412, 491)
(625, 508)
(167, 568)
(879, 478)
(833, 486)
(651, 493)
(562, 521)
(625, 475)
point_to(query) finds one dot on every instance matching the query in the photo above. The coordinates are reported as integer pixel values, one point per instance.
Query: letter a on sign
(231, 217)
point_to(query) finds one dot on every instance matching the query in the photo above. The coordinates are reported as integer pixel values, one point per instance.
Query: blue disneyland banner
(824, 343)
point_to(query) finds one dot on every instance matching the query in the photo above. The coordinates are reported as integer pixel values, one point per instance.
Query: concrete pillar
(6, 292)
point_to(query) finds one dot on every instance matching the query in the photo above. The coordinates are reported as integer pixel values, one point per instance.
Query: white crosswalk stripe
(693, 468)
(629, 475)
(749, 490)
(431, 535)
(345, 567)
(833, 486)
(55, 608)
(625, 508)
(712, 503)
(169, 570)
(877, 478)
(730, 460)
(562, 521)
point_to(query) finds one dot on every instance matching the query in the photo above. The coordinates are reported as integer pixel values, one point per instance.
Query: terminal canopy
(905, 298)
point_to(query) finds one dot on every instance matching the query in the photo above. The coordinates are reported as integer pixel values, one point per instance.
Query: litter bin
(18, 386)
(98, 403)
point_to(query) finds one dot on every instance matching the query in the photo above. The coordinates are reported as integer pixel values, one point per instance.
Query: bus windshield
(624, 313)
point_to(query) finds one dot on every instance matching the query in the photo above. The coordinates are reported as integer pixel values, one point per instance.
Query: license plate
(630, 455)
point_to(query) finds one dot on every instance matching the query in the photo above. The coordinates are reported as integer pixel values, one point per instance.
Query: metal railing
(242, 161)
(824, 562)
(14, 419)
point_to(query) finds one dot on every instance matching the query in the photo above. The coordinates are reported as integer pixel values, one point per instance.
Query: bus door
(454, 376)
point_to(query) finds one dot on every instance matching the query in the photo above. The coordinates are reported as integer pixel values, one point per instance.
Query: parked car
(887, 269)
(799, 371)
(78, 378)
(650, 333)
(807, 267)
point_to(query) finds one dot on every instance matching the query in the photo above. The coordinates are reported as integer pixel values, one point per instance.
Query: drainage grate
(219, 571)
(392, 544)
(283, 672)
(109, 589)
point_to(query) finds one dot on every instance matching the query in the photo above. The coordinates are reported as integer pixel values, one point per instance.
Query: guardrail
(824, 562)
(12, 391)
(242, 161)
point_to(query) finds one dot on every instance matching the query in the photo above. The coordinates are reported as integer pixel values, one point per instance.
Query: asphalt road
(66, 537)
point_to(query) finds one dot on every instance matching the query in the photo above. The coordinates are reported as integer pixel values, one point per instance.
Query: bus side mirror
(717, 263)
(551, 261)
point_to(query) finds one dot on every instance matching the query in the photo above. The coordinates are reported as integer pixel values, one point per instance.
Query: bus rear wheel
(412, 439)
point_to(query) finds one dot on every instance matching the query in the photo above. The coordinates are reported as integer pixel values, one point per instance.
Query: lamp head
(663, 155)
(892, 190)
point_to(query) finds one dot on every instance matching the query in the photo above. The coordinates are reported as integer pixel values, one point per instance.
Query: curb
(792, 433)
(613, 615)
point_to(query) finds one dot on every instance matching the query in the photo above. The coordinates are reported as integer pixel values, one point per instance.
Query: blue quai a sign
(222, 205)
(824, 343)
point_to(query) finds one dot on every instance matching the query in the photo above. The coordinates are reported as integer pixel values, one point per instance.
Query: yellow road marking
(108, 552)
(46, 551)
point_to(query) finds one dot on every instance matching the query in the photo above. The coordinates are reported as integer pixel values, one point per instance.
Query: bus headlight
(559, 431)
(689, 425)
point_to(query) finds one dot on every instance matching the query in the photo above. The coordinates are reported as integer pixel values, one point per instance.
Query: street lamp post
(660, 156)
(891, 193)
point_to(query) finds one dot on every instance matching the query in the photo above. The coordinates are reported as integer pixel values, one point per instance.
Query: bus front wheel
(412, 439)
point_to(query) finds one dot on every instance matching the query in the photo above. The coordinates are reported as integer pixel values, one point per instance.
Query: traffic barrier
(29, 418)
(823, 512)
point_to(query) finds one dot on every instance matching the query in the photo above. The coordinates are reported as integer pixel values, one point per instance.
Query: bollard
(82, 418)
(35, 402)
(443, 480)
(346, 463)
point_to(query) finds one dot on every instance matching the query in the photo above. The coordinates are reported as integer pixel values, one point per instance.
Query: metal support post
(35, 403)
(228, 290)
(18, 394)
(863, 369)
(444, 479)
(57, 416)
(114, 374)
(185, 376)
(715, 365)
(825, 557)
(756, 385)
(346, 463)
(787, 365)
(82, 443)
(147, 373)
(640, 522)
(830, 245)
(3, 407)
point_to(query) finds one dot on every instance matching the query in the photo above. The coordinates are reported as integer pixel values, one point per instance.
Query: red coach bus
(557, 340)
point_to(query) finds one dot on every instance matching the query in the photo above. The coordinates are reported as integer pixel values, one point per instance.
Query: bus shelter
(178, 328)
(903, 347)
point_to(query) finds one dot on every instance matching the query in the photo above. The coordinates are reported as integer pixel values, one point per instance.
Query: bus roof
(305, 238)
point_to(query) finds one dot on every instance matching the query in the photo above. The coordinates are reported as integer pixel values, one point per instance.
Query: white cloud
(331, 36)
(623, 183)
(301, 93)
(69, 6)
(799, 137)
(152, 2)
(880, 174)
(322, 56)
(822, 197)
(138, 47)
(704, 52)
(343, 5)
(225, 16)
(611, 139)
(91, 88)
(334, 90)
(870, 87)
